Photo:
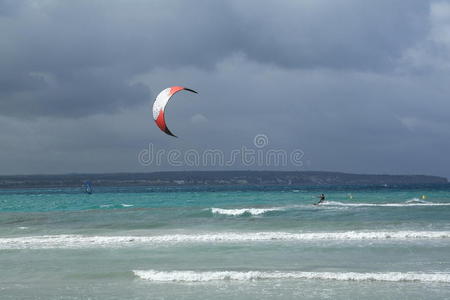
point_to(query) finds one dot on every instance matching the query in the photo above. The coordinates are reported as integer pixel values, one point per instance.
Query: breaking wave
(409, 203)
(329, 204)
(244, 211)
(192, 276)
(82, 241)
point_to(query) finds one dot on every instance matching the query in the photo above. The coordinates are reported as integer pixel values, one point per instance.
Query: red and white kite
(160, 104)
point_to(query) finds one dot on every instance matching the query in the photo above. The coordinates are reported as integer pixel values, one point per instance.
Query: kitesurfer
(321, 199)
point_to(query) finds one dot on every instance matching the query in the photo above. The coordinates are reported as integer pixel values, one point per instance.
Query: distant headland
(215, 178)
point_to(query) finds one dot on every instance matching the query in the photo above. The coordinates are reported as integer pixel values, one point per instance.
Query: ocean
(226, 242)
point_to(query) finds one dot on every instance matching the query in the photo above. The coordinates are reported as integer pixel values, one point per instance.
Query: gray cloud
(86, 46)
(360, 86)
(344, 35)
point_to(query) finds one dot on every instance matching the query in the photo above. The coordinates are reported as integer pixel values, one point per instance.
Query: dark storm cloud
(90, 49)
(75, 94)
(76, 58)
(8, 7)
(350, 34)
(360, 86)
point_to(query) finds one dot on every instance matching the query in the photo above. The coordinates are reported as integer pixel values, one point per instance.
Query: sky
(354, 86)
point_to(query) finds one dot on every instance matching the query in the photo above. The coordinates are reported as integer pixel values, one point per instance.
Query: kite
(160, 104)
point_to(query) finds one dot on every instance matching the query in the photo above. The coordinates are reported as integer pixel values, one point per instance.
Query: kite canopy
(160, 104)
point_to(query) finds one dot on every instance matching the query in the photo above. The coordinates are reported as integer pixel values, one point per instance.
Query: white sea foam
(242, 211)
(328, 204)
(416, 200)
(82, 241)
(408, 203)
(127, 205)
(192, 276)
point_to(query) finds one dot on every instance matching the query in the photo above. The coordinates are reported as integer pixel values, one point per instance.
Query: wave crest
(80, 241)
(408, 203)
(243, 211)
(192, 276)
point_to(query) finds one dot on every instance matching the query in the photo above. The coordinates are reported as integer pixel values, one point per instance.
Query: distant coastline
(215, 178)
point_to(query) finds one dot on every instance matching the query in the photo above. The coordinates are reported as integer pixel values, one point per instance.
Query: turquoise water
(226, 242)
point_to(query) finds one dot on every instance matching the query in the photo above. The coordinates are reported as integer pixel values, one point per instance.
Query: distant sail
(88, 187)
